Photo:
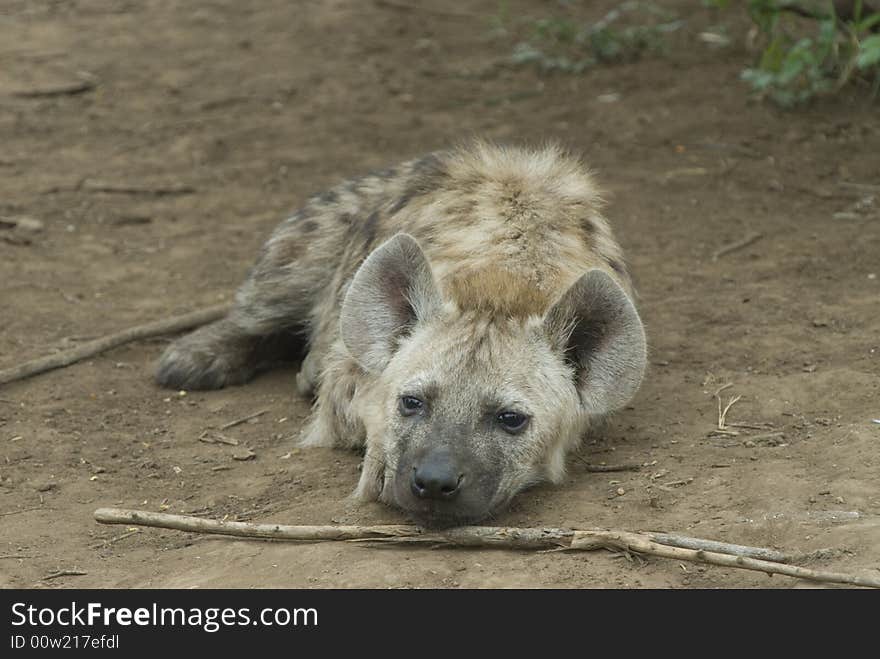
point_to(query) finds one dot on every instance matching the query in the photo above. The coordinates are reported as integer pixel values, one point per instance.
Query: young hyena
(468, 315)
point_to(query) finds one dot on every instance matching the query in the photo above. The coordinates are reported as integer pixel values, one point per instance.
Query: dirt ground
(202, 124)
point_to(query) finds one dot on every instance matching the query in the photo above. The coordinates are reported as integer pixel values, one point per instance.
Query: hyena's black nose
(436, 477)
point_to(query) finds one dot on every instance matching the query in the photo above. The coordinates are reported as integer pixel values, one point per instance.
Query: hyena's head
(471, 409)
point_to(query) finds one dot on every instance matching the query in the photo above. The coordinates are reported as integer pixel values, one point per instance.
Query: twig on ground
(64, 573)
(862, 187)
(243, 419)
(90, 185)
(212, 437)
(631, 466)
(23, 510)
(722, 412)
(723, 417)
(685, 542)
(405, 6)
(765, 436)
(2, 556)
(739, 244)
(655, 544)
(750, 426)
(110, 541)
(63, 89)
(98, 346)
(679, 483)
(723, 433)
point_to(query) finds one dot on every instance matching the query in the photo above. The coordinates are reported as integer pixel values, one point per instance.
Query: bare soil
(200, 125)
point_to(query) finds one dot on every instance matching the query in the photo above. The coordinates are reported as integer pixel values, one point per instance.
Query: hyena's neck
(495, 290)
(509, 233)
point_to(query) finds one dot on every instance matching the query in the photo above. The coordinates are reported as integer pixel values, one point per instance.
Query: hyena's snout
(438, 476)
(442, 486)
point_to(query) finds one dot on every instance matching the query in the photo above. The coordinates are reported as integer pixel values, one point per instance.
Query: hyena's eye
(512, 422)
(410, 405)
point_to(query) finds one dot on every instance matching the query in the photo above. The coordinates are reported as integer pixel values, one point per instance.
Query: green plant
(793, 69)
(561, 43)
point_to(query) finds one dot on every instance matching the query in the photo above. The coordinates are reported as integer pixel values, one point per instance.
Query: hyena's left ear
(391, 291)
(597, 327)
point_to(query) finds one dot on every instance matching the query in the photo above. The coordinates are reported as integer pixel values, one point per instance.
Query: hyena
(468, 316)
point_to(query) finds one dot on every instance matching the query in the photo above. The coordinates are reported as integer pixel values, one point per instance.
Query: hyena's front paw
(204, 360)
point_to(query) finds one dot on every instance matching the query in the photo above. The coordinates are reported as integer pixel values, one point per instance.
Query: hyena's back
(505, 229)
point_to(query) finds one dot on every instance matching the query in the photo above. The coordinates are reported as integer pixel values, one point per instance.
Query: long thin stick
(238, 422)
(641, 544)
(656, 544)
(674, 540)
(739, 244)
(96, 347)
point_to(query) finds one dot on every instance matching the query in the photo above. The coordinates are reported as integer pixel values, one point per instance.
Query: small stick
(64, 89)
(865, 187)
(64, 573)
(243, 419)
(210, 437)
(98, 346)
(739, 244)
(699, 551)
(2, 556)
(767, 435)
(403, 6)
(631, 466)
(23, 510)
(750, 426)
(110, 541)
(683, 481)
(722, 413)
(90, 185)
(723, 416)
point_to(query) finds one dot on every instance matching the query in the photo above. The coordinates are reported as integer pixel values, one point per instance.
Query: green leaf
(773, 55)
(868, 23)
(869, 53)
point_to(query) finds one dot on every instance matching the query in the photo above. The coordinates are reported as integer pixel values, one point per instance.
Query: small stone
(24, 223)
(243, 454)
(620, 491)
(45, 486)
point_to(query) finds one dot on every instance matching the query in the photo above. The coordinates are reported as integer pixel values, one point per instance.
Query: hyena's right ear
(391, 291)
(596, 326)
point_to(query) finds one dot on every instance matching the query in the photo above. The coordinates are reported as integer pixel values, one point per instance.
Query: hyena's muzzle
(444, 485)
